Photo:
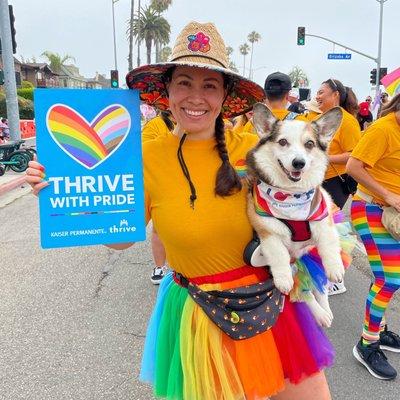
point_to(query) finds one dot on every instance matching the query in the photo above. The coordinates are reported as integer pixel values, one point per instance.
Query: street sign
(339, 56)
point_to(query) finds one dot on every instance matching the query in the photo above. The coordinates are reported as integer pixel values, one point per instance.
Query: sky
(84, 30)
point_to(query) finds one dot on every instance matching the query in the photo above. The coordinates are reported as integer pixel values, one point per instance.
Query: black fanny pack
(242, 312)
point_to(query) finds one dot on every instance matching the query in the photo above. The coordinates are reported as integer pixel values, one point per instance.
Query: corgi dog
(287, 207)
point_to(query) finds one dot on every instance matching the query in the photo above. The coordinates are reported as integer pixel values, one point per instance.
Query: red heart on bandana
(281, 196)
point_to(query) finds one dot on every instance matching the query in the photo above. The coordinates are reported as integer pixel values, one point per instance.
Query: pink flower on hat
(199, 42)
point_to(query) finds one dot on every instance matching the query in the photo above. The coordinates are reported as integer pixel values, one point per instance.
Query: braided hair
(227, 181)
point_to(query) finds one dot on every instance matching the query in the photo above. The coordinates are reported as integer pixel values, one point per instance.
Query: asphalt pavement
(73, 320)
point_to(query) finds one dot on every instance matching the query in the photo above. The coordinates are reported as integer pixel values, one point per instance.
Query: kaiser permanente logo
(123, 227)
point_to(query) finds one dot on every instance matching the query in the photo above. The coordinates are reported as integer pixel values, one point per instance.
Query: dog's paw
(324, 319)
(284, 283)
(335, 273)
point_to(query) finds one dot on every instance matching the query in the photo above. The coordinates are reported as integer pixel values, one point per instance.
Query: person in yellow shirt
(197, 203)
(375, 165)
(331, 94)
(277, 87)
(240, 122)
(160, 126)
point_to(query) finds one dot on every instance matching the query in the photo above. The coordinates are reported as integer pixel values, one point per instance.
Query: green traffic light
(114, 84)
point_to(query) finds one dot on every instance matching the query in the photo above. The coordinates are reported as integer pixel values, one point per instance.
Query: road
(73, 320)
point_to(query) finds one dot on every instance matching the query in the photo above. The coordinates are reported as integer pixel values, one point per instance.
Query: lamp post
(115, 42)
(138, 36)
(379, 58)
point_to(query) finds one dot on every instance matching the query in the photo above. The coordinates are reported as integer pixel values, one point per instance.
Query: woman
(375, 165)
(331, 94)
(198, 206)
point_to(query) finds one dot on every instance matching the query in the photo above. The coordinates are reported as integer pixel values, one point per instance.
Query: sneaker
(389, 340)
(374, 359)
(158, 274)
(336, 288)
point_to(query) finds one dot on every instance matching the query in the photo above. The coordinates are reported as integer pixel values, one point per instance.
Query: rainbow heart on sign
(88, 143)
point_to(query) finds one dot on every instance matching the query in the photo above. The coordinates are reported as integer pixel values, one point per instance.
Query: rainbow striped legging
(384, 258)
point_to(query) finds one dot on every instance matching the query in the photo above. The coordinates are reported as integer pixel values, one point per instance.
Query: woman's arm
(339, 158)
(357, 170)
(119, 246)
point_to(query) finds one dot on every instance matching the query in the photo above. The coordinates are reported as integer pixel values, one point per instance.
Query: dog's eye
(283, 142)
(310, 144)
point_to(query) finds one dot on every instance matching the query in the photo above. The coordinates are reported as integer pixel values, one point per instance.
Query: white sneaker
(336, 288)
(158, 274)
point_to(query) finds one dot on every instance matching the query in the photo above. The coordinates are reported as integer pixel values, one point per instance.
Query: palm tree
(299, 77)
(150, 27)
(56, 60)
(244, 50)
(165, 53)
(160, 6)
(253, 37)
(130, 55)
(231, 65)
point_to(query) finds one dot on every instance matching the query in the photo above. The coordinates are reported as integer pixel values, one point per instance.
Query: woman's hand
(35, 177)
(393, 200)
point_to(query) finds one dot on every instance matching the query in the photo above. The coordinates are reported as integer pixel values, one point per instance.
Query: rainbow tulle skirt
(187, 357)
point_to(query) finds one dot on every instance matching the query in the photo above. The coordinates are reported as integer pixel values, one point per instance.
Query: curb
(6, 187)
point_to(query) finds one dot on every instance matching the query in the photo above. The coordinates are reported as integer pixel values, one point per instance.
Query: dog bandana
(273, 202)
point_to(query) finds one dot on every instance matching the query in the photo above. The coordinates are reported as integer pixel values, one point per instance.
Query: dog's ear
(327, 125)
(263, 119)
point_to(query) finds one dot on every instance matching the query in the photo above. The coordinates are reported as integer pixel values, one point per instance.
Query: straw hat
(198, 45)
(312, 105)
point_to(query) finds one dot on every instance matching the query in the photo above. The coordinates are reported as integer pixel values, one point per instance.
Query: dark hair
(227, 181)
(165, 116)
(347, 98)
(392, 106)
(274, 96)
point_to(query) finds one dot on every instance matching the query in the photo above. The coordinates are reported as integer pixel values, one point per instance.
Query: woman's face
(327, 98)
(195, 100)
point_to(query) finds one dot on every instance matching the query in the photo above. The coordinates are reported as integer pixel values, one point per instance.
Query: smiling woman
(197, 204)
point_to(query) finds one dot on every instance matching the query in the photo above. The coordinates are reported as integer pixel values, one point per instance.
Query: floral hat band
(198, 45)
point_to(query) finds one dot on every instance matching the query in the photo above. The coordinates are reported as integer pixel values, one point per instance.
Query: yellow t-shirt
(312, 115)
(379, 149)
(279, 113)
(239, 124)
(154, 128)
(344, 140)
(211, 237)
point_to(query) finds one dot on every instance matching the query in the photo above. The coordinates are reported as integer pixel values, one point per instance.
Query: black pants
(335, 188)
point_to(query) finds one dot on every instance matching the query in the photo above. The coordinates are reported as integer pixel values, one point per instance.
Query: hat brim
(310, 106)
(148, 79)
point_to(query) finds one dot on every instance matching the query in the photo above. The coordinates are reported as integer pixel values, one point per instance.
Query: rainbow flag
(392, 82)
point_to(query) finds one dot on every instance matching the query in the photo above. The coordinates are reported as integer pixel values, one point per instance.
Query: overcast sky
(83, 29)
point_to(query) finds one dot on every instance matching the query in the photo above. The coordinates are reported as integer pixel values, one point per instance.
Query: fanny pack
(241, 312)
(391, 221)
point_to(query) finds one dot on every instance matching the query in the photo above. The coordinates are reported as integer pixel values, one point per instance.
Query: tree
(130, 54)
(150, 27)
(231, 65)
(253, 37)
(165, 53)
(160, 6)
(299, 77)
(56, 60)
(244, 50)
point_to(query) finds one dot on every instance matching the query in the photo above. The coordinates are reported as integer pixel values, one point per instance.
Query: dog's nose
(298, 163)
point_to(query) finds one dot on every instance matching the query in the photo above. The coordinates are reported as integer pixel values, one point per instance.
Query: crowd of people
(196, 201)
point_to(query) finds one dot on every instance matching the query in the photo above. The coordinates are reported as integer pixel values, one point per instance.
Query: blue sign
(339, 56)
(90, 144)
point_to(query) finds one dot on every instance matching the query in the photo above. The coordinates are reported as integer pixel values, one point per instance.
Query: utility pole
(379, 59)
(138, 35)
(115, 41)
(9, 71)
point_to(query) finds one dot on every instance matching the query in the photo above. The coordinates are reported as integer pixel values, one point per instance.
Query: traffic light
(1, 77)
(13, 31)
(301, 35)
(114, 79)
(382, 73)
(372, 79)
